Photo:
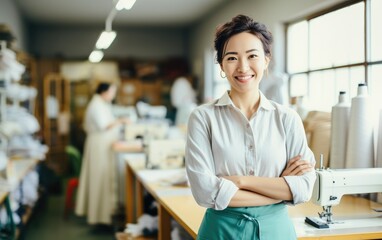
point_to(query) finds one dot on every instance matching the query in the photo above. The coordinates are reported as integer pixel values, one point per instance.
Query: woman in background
(183, 98)
(96, 197)
(244, 153)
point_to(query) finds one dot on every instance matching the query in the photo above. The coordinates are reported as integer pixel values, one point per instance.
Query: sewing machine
(166, 153)
(149, 130)
(332, 184)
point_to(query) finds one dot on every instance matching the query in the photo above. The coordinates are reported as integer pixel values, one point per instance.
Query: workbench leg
(139, 198)
(130, 195)
(164, 224)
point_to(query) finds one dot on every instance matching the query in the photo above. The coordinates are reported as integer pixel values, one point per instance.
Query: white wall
(273, 13)
(11, 16)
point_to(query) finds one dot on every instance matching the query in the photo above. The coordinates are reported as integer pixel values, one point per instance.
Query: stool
(69, 204)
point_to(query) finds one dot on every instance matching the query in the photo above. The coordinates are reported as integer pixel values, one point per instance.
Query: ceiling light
(96, 56)
(124, 4)
(105, 39)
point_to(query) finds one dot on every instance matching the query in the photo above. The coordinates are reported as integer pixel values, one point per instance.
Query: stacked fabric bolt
(10, 68)
(19, 92)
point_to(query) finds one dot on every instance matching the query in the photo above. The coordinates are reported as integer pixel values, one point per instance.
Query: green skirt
(269, 222)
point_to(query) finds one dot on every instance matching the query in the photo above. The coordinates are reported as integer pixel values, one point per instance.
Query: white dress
(183, 98)
(96, 195)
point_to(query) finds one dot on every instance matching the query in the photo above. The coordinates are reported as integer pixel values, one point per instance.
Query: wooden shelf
(56, 126)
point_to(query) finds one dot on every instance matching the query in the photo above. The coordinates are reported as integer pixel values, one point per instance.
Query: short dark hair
(102, 87)
(239, 24)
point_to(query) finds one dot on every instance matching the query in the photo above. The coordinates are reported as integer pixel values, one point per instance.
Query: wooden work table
(178, 203)
(17, 169)
(354, 218)
(122, 148)
(135, 146)
(173, 201)
(3, 195)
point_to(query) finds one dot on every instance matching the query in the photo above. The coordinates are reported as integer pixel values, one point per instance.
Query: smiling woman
(244, 63)
(231, 160)
(244, 57)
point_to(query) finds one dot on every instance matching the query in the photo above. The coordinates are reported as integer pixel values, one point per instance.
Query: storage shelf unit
(56, 122)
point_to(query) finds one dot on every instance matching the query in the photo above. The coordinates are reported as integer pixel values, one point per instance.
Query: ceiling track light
(124, 4)
(107, 37)
(96, 56)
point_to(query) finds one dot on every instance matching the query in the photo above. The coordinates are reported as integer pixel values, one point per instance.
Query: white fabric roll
(339, 132)
(379, 148)
(360, 146)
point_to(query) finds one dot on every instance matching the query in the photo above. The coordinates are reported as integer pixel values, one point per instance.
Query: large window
(334, 51)
(220, 84)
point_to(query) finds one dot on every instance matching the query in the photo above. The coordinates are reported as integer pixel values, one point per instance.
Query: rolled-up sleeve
(296, 144)
(208, 190)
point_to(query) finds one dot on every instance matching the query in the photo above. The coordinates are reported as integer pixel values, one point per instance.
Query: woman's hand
(296, 167)
(124, 120)
(118, 122)
(273, 187)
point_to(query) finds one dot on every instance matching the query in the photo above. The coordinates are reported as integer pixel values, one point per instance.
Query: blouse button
(250, 147)
(251, 172)
(248, 125)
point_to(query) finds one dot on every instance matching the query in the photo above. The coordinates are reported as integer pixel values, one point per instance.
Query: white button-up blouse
(222, 142)
(98, 115)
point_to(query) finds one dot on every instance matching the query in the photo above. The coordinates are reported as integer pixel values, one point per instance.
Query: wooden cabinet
(134, 89)
(149, 80)
(56, 121)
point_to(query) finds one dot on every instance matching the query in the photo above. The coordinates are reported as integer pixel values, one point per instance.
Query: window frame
(367, 43)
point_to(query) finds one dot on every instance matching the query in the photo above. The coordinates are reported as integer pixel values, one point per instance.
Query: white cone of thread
(379, 146)
(379, 151)
(339, 131)
(360, 146)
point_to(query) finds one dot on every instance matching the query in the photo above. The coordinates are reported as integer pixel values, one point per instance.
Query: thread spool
(360, 146)
(339, 131)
